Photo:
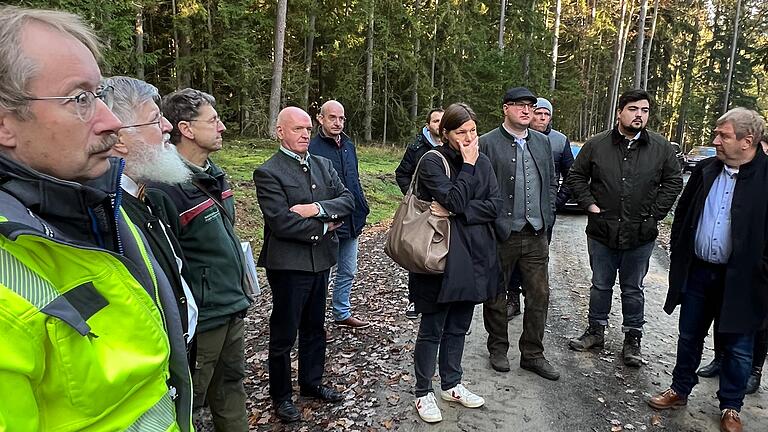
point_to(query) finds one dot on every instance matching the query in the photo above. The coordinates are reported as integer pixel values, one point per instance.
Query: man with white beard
(149, 157)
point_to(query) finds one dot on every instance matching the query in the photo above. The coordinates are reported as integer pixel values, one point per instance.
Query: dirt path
(595, 392)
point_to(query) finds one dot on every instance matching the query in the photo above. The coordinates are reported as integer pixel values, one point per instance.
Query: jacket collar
(83, 212)
(618, 138)
(509, 136)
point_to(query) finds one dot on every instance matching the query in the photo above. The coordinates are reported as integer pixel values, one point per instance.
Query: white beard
(159, 163)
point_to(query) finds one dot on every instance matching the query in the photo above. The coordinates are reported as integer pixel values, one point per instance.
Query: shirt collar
(730, 172)
(129, 185)
(515, 137)
(302, 160)
(428, 136)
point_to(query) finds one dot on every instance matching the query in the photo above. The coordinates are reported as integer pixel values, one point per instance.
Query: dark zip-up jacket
(407, 167)
(344, 159)
(150, 225)
(634, 186)
(206, 233)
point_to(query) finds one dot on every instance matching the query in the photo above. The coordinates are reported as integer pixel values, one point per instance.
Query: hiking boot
(427, 408)
(753, 384)
(460, 394)
(593, 337)
(631, 349)
(710, 370)
(513, 306)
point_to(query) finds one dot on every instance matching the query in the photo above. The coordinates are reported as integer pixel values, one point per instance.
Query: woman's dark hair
(454, 116)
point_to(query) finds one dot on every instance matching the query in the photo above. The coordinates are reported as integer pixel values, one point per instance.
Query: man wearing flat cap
(522, 160)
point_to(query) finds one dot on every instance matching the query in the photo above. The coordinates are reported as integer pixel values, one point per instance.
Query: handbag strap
(416, 172)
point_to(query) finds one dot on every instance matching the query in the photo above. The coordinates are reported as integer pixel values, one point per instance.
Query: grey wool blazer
(292, 242)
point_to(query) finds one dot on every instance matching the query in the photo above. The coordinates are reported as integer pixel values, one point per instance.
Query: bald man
(303, 201)
(331, 142)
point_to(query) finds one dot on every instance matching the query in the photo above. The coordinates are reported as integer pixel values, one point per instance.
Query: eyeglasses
(157, 121)
(85, 102)
(521, 105)
(213, 121)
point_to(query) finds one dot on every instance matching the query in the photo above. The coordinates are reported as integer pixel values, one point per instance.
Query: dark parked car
(571, 204)
(696, 155)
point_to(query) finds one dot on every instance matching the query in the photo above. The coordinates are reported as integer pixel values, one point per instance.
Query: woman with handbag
(469, 197)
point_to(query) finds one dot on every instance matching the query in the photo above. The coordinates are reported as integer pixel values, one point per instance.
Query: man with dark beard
(627, 179)
(143, 143)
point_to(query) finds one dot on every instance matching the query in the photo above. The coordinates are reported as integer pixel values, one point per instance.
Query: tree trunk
(685, 99)
(616, 75)
(309, 47)
(417, 63)
(555, 46)
(640, 42)
(650, 44)
(139, 28)
(369, 78)
(434, 61)
(502, 23)
(209, 56)
(732, 62)
(176, 46)
(386, 104)
(277, 65)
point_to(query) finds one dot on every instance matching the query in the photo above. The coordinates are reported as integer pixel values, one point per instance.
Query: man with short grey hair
(717, 266)
(91, 339)
(201, 213)
(143, 144)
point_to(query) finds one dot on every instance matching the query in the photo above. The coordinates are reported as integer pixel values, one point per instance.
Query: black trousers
(298, 303)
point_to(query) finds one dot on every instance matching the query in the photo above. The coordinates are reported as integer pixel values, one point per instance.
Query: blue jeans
(632, 266)
(346, 268)
(701, 303)
(444, 330)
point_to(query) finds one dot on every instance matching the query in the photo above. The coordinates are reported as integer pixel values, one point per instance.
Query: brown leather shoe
(353, 322)
(667, 399)
(730, 421)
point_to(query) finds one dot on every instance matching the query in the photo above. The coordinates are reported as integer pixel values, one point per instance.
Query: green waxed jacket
(86, 343)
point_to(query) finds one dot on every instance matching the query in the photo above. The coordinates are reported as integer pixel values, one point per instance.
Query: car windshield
(702, 151)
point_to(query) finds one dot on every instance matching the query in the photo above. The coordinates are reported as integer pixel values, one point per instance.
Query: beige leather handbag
(418, 240)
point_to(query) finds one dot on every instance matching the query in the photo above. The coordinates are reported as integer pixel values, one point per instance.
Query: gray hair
(184, 105)
(129, 95)
(745, 122)
(15, 69)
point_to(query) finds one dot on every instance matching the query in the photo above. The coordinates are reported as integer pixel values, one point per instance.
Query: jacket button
(314, 186)
(304, 168)
(511, 196)
(509, 214)
(149, 225)
(512, 178)
(514, 160)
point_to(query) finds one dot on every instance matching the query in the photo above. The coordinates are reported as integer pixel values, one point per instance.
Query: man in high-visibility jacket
(91, 338)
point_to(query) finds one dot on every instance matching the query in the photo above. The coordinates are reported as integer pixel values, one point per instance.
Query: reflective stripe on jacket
(84, 346)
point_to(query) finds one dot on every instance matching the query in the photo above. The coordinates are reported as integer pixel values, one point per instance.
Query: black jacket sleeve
(670, 186)
(404, 172)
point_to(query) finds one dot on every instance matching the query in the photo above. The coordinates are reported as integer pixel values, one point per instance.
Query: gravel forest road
(596, 392)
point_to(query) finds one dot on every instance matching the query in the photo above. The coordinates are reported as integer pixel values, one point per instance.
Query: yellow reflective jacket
(83, 343)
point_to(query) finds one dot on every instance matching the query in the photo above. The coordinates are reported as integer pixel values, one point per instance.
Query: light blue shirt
(521, 141)
(425, 132)
(713, 234)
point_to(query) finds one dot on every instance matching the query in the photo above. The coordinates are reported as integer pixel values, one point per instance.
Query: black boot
(593, 337)
(710, 370)
(631, 350)
(513, 305)
(753, 384)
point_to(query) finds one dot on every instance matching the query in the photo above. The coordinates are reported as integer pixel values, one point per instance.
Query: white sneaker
(427, 408)
(463, 396)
